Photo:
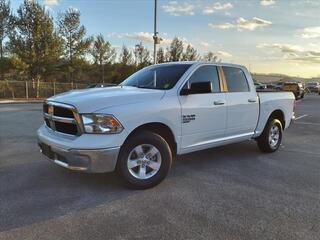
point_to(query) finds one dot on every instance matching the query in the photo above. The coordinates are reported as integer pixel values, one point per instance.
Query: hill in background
(273, 78)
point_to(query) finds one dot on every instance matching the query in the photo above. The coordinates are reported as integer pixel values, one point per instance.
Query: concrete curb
(20, 101)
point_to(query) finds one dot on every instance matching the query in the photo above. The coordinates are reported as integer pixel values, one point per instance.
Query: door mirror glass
(198, 88)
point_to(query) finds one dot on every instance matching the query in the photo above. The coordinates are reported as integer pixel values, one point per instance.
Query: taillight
(294, 105)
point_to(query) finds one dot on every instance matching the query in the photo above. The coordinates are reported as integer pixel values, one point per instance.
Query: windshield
(157, 77)
(312, 84)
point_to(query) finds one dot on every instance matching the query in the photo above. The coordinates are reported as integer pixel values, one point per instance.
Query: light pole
(156, 39)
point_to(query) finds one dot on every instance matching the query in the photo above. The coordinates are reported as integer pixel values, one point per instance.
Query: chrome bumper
(95, 161)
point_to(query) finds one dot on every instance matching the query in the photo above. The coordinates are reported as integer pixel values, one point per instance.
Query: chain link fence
(35, 90)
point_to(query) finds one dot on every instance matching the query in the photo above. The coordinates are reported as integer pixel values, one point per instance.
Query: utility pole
(155, 37)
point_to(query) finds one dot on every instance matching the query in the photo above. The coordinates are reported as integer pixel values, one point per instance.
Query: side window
(236, 79)
(205, 74)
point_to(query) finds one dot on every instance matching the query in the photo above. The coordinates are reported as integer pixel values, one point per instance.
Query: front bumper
(87, 153)
(97, 160)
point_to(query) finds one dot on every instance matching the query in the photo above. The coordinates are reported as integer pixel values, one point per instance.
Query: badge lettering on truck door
(188, 118)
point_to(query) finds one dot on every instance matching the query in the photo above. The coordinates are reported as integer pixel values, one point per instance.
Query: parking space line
(305, 115)
(308, 123)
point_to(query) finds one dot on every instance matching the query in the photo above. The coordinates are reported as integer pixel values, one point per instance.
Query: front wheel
(271, 137)
(144, 160)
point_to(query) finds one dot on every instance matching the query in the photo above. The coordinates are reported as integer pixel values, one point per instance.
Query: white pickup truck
(157, 113)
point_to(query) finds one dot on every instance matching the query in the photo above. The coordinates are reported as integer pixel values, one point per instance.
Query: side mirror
(197, 88)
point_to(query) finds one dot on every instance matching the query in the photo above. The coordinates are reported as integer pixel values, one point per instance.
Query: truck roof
(204, 62)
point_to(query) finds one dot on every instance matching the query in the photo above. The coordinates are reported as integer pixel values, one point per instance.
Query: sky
(267, 36)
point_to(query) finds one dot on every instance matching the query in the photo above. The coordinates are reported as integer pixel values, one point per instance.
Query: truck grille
(61, 118)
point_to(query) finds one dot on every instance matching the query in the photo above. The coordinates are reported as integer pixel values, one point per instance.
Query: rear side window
(236, 80)
(206, 73)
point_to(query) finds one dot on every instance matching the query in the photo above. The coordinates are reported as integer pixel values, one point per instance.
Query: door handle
(219, 102)
(252, 100)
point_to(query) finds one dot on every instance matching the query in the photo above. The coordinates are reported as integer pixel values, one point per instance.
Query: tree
(126, 56)
(76, 45)
(33, 41)
(142, 56)
(190, 54)
(125, 67)
(161, 56)
(175, 50)
(5, 17)
(210, 57)
(102, 53)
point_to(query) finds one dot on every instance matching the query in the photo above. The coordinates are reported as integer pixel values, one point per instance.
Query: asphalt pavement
(230, 192)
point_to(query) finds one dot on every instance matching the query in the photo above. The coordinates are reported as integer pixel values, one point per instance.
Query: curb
(20, 101)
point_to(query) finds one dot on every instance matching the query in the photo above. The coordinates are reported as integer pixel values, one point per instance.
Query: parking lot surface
(231, 192)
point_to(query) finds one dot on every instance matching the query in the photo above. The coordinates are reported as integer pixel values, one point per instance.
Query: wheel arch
(278, 114)
(161, 129)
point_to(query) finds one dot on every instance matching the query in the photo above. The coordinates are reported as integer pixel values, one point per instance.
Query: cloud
(141, 36)
(51, 3)
(294, 52)
(224, 54)
(267, 2)
(311, 32)
(146, 37)
(243, 24)
(284, 48)
(222, 25)
(252, 24)
(205, 44)
(177, 9)
(216, 7)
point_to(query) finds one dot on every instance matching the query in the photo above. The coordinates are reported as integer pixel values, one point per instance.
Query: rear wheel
(144, 160)
(271, 137)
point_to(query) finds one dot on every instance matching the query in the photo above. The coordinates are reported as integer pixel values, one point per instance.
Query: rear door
(203, 115)
(242, 101)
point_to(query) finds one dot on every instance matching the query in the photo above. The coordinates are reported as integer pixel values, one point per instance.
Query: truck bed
(269, 101)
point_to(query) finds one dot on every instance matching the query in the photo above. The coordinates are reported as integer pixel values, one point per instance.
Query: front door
(203, 115)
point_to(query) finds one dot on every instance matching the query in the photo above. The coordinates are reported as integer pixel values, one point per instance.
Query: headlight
(99, 123)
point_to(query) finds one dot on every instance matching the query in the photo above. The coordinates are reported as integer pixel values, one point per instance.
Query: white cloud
(311, 32)
(51, 3)
(177, 9)
(146, 37)
(222, 25)
(267, 2)
(243, 24)
(285, 48)
(252, 24)
(205, 44)
(224, 54)
(141, 36)
(294, 52)
(216, 7)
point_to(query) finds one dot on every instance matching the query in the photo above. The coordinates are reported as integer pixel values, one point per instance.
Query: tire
(267, 140)
(144, 160)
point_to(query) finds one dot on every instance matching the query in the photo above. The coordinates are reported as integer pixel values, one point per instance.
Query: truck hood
(95, 99)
